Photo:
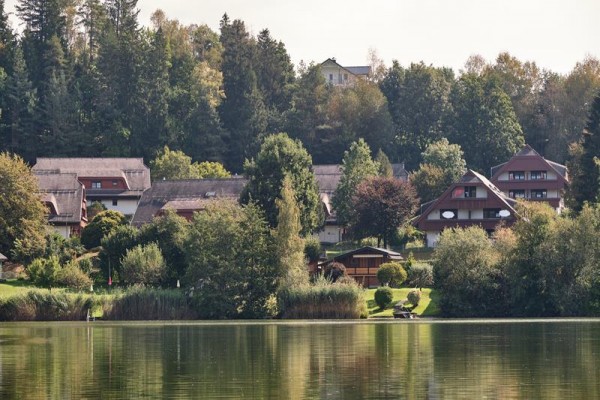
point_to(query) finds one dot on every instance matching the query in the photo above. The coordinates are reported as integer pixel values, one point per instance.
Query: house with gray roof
(328, 178)
(337, 75)
(185, 197)
(64, 197)
(118, 183)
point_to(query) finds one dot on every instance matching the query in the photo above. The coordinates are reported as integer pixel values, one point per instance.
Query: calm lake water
(302, 360)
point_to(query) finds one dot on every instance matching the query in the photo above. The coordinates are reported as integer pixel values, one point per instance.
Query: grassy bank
(427, 307)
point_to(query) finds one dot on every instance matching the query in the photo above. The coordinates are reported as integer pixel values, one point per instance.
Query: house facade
(117, 183)
(528, 175)
(472, 201)
(328, 178)
(64, 197)
(185, 197)
(362, 264)
(336, 75)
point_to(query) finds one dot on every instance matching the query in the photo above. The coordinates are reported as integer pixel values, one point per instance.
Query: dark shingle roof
(328, 175)
(133, 170)
(186, 192)
(66, 195)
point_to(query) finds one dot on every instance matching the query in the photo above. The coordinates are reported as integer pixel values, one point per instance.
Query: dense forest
(83, 78)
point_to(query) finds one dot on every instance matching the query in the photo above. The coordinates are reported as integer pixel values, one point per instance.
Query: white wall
(64, 231)
(481, 193)
(126, 206)
(330, 234)
(432, 238)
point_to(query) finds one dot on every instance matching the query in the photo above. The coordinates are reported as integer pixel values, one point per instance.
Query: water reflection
(504, 360)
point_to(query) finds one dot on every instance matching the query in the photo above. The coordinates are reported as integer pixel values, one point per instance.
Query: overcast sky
(553, 33)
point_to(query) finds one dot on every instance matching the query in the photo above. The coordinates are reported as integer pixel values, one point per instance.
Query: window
(538, 193)
(345, 77)
(449, 213)
(96, 185)
(458, 192)
(491, 213)
(538, 175)
(114, 183)
(115, 202)
(470, 191)
(516, 175)
(516, 194)
(330, 77)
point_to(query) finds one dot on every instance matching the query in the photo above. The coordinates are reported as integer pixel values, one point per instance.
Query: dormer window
(470, 191)
(516, 175)
(96, 185)
(538, 175)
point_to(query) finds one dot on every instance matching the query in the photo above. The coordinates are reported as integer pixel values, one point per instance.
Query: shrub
(383, 297)
(323, 299)
(143, 265)
(391, 274)
(421, 275)
(86, 265)
(150, 304)
(102, 224)
(312, 249)
(414, 297)
(334, 271)
(43, 271)
(73, 277)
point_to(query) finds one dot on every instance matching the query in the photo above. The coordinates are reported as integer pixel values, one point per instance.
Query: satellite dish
(448, 214)
(504, 213)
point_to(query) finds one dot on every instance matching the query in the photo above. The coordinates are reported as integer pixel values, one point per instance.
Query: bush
(73, 277)
(383, 297)
(150, 304)
(334, 271)
(103, 224)
(420, 275)
(38, 305)
(143, 265)
(391, 274)
(86, 265)
(414, 297)
(312, 249)
(323, 299)
(44, 271)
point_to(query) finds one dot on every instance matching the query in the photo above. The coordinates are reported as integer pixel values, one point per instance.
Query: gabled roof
(470, 178)
(133, 170)
(64, 193)
(355, 70)
(368, 249)
(186, 193)
(328, 175)
(3, 257)
(528, 151)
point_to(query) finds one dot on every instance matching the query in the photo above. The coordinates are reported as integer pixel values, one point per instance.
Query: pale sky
(553, 33)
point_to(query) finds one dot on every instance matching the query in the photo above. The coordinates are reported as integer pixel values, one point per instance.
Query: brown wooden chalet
(528, 175)
(328, 178)
(185, 197)
(118, 183)
(64, 197)
(362, 264)
(473, 200)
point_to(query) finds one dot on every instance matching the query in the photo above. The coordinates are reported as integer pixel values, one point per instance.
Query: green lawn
(427, 308)
(14, 286)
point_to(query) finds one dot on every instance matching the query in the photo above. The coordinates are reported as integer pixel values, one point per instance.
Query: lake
(489, 359)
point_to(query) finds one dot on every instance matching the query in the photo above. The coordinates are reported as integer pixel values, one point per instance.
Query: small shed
(362, 264)
(2, 260)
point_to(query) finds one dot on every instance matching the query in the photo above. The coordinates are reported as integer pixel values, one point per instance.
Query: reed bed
(41, 305)
(323, 300)
(149, 304)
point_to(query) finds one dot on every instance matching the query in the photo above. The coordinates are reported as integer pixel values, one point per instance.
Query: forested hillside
(83, 78)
